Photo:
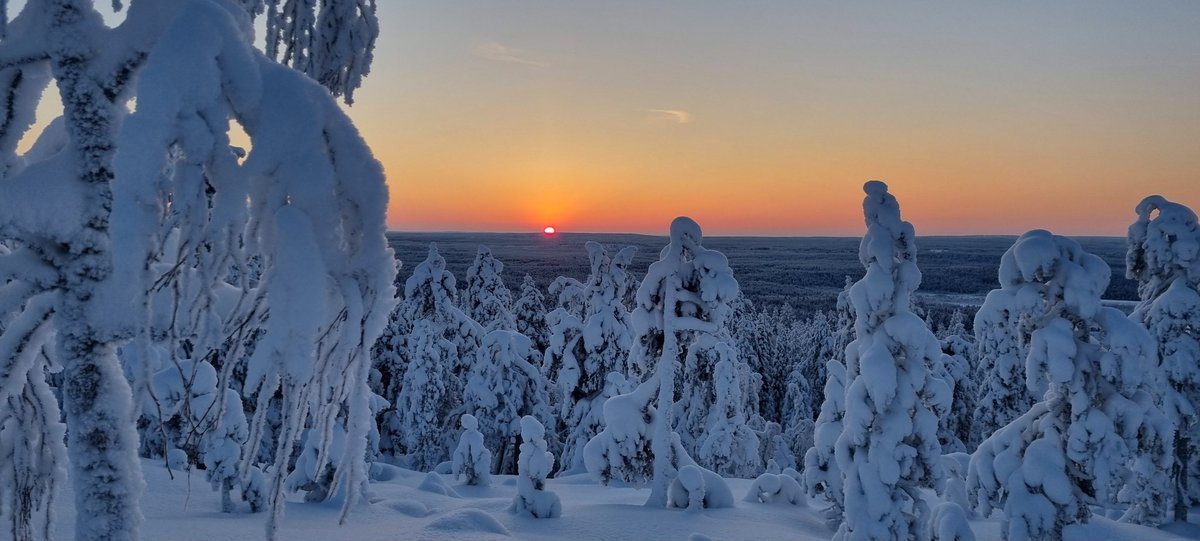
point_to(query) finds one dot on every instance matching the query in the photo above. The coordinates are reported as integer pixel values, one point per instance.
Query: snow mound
(696, 488)
(411, 508)
(468, 520)
(381, 472)
(776, 488)
(434, 483)
(949, 523)
(177, 459)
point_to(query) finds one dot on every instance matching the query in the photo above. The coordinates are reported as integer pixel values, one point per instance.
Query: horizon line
(716, 235)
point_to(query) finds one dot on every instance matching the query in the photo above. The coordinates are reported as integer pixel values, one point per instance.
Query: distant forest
(804, 272)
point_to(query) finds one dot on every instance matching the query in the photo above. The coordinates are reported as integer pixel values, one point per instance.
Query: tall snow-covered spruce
(107, 209)
(888, 450)
(593, 353)
(684, 298)
(1095, 370)
(429, 296)
(1164, 258)
(529, 311)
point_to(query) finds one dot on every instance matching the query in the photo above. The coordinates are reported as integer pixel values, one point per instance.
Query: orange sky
(767, 119)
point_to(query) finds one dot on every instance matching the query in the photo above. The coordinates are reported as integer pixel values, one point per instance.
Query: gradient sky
(766, 117)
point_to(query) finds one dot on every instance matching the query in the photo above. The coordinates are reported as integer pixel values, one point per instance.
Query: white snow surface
(184, 508)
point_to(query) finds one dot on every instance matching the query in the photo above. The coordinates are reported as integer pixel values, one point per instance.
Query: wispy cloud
(500, 52)
(677, 116)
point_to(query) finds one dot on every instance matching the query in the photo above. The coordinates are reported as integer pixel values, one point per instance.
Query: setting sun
(549, 230)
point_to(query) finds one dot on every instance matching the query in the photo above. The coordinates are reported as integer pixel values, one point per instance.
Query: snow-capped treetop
(487, 300)
(609, 277)
(703, 274)
(1039, 256)
(1054, 270)
(890, 257)
(432, 271)
(529, 310)
(569, 295)
(430, 294)
(1163, 244)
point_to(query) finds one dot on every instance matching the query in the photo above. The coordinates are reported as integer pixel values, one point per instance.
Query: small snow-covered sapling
(472, 462)
(533, 467)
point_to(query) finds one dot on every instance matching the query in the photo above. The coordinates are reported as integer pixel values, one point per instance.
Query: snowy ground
(184, 509)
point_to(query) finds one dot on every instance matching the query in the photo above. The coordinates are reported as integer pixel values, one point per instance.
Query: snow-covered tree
(1095, 369)
(472, 460)
(743, 325)
(426, 398)
(1002, 335)
(954, 428)
(685, 295)
(822, 477)
(569, 294)
(529, 310)
(186, 395)
(533, 468)
(621, 451)
(769, 341)
(121, 187)
(565, 323)
(684, 298)
(591, 349)
(1164, 258)
(504, 384)
(487, 300)
(429, 295)
(565, 341)
(223, 444)
(730, 447)
(699, 410)
(888, 450)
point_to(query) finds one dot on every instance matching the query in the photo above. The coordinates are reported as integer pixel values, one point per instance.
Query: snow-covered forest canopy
(176, 307)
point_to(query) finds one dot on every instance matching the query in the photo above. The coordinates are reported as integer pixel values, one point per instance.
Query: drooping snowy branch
(332, 41)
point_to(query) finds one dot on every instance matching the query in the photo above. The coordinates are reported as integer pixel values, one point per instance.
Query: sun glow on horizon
(549, 230)
(488, 121)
